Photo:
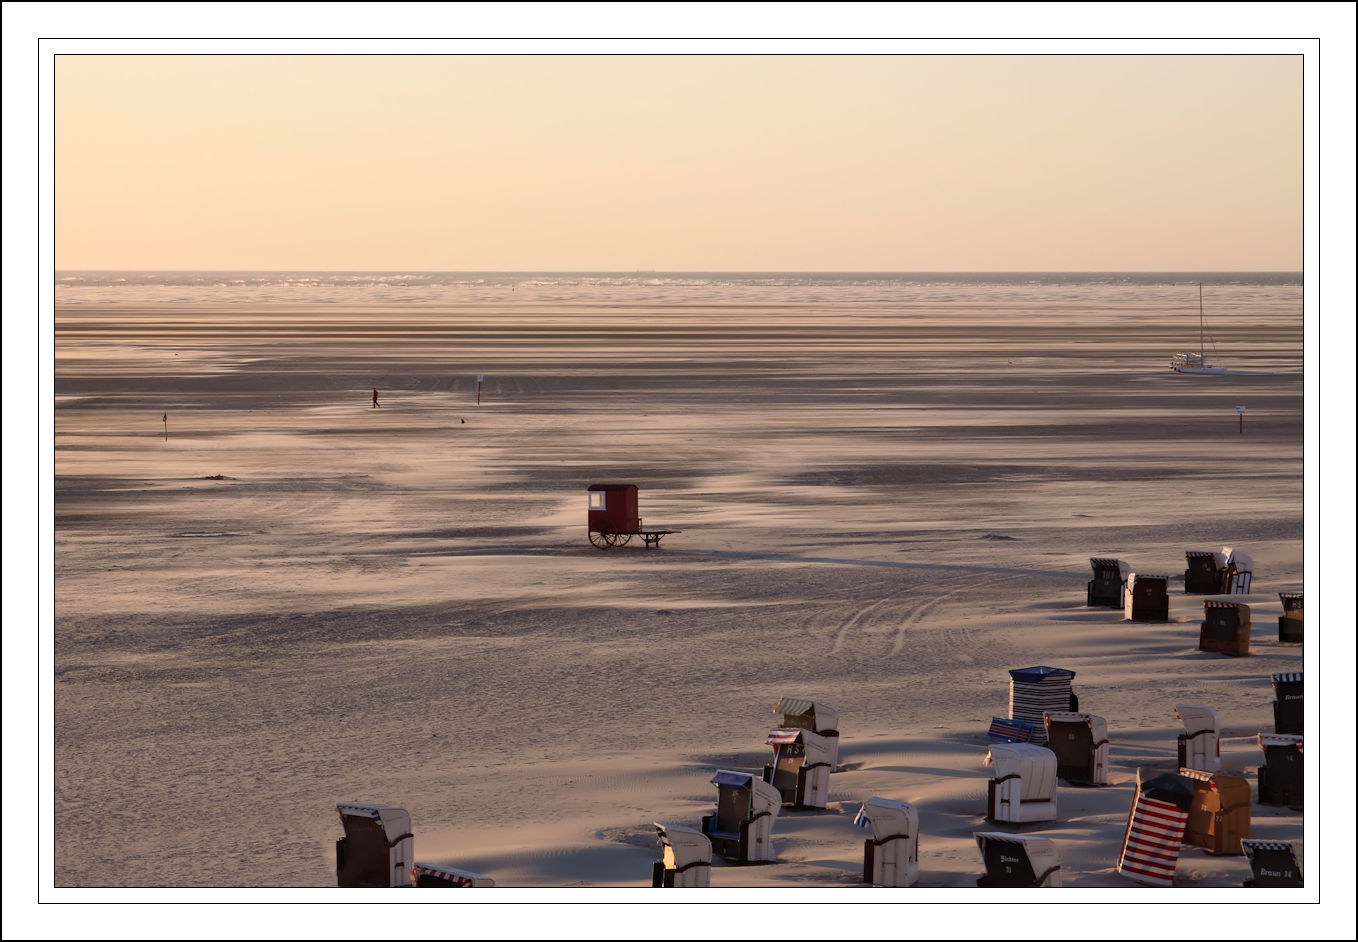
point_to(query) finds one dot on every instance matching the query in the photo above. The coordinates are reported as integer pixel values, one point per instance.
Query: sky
(680, 162)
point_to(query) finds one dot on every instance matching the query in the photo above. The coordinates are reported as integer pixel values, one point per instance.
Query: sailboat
(1196, 362)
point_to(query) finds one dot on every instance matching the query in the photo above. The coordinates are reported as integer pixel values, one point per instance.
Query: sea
(279, 289)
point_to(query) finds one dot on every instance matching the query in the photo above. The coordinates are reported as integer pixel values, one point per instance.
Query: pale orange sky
(679, 162)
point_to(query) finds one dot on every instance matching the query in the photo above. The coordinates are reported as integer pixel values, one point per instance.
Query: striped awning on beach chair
(1278, 739)
(449, 875)
(1198, 774)
(1291, 677)
(794, 706)
(781, 737)
(1006, 730)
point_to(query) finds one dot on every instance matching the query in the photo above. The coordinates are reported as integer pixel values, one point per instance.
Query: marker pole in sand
(479, 377)
(1240, 410)
(165, 417)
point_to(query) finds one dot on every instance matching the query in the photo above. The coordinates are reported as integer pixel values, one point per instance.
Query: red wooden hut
(612, 511)
(614, 520)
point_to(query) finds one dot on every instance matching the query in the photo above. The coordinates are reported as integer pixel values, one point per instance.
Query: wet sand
(272, 597)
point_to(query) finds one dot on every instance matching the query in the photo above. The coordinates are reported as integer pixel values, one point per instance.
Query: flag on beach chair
(1006, 730)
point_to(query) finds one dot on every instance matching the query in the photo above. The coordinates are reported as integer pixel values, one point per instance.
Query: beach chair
(377, 848)
(1274, 863)
(1108, 584)
(1237, 573)
(438, 875)
(1035, 691)
(821, 719)
(1022, 789)
(1225, 627)
(1007, 730)
(1018, 860)
(686, 857)
(1080, 742)
(1289, 708)
(741, 830)
(1200, 742)
(801, 767)
(1203, 575)
(1220, 814)
(1281, 777)
(1290, 621)
(1147, 597)
(1155, 829)
(891, 855)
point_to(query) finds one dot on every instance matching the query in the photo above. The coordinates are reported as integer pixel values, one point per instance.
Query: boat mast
(1201, 350)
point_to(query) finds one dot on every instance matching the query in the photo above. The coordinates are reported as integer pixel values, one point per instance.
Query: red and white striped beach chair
(1155, 830)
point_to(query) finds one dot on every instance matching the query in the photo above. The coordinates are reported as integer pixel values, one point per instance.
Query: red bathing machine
(613, 517)
(613, 508)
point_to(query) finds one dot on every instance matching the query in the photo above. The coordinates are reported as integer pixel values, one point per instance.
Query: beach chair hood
(688, 843)
(1034, 765)
(1197, 719)
(1098, 726)
(395, 822)
(763, 796)
(887, 817)
(822, 717)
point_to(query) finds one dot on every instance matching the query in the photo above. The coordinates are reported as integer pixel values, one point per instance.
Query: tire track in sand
(961, 637)
(860, 618)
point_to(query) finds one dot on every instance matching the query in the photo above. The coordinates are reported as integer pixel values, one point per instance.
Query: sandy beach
(272, 596)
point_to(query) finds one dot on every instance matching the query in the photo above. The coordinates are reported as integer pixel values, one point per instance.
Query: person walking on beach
(376, 404)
